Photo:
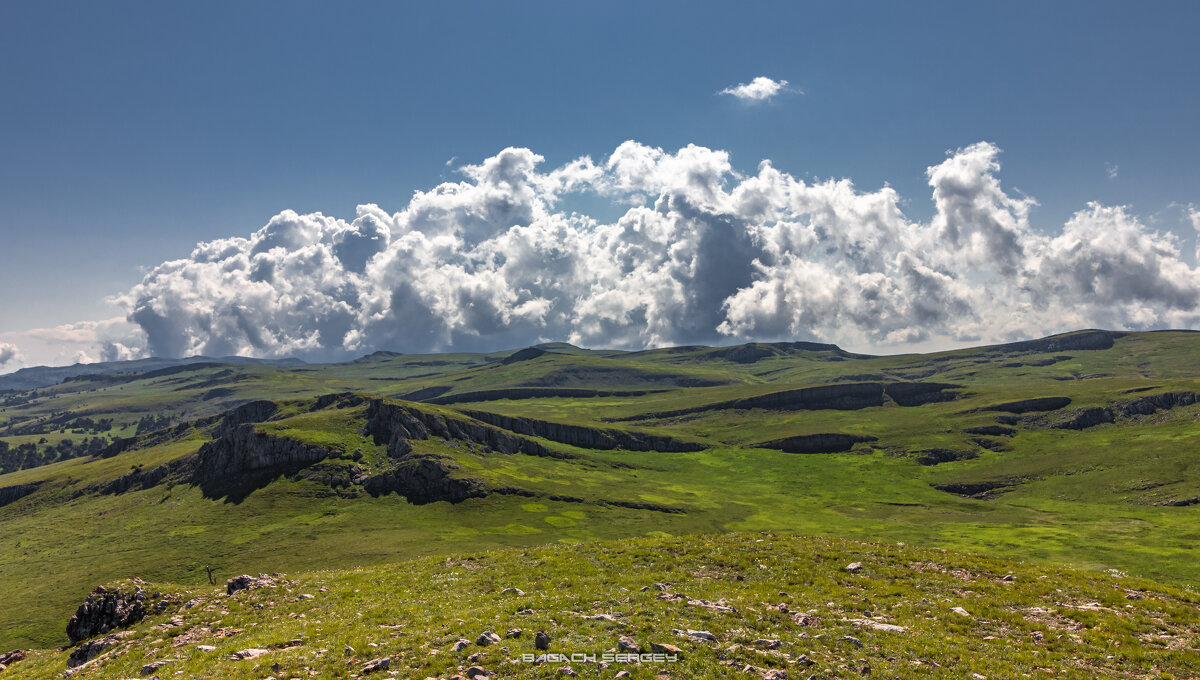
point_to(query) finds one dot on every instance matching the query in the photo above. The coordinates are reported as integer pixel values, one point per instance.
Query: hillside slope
(1078, 450)
(730, 606)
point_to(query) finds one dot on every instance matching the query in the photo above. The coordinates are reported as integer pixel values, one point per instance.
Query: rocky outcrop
(1084, 418)
(1036, 404)
(106, 610)
(520, 393)
(587, 437)
(842, 397)
(816, 443)
(243, 450)
(138, 478)
(939, 456)
(14, 493)
(1083, 340)
(919, 393)
(1180, 503)
(425, 479)
(1147, 405)
(248, 582)
(397, 424)
(1142, 406)
(976, 489)
(252, 412)
(91, 649)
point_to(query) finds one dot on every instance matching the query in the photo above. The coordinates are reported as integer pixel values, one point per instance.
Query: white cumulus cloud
(761, 88)
(698, 253)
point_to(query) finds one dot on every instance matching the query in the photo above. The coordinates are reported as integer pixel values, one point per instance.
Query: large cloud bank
(699, 254)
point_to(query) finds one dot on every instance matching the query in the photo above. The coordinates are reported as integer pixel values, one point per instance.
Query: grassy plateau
(406, 492)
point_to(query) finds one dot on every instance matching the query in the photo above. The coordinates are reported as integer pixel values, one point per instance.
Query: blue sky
(130, 131)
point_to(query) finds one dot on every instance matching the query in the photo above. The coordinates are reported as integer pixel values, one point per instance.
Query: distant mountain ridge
(34, 377)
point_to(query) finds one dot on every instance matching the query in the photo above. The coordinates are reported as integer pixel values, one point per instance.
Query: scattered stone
(541, 640)
(103, 611)
(154, 666)
(13, 657)
(628, 644)
(461, 645)
(696, 634)
(775, 675)
(513, 633)
(487, 638)
(248, 582)
(621, 675)
(599, 617)
(206, 648)
(853, 640)
(664, 648)
(525, 612)
(377, 665)
(853, 567)
(477, 672)
(803, 660)
(1133, 596)
(961, 612)
(175, 622)
(567, 671)
(767, 644)
(249, 653)
(869, 623)
(305, 596)
(513, 591)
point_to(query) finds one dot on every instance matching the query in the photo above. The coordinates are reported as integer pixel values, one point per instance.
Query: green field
(1112, 496)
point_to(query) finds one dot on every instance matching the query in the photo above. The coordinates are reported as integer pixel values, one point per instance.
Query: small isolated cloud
(759, 89)
(1111, 170)
(8, 353)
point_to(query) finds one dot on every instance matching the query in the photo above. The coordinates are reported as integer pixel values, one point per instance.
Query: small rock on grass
(373, 665)
(853, 566)
(696, 634)
(628, 644)
(477, 672)
(961, 612)
(512, 591)
(621, 675)
(567, 671)
(767, 644)
(461, 645)
(775, 675)
(151, 667)
(249, 653)
(513, 633)
(852, 640)
(541, 640)
(487, 638)
(664, 648)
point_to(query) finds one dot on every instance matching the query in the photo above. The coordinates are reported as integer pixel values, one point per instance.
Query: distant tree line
(30, 454)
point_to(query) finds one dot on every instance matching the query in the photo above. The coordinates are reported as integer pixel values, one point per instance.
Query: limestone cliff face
(425, 479)
(397, 424)
(242, 449)
(1142, 406)
(586, 437)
